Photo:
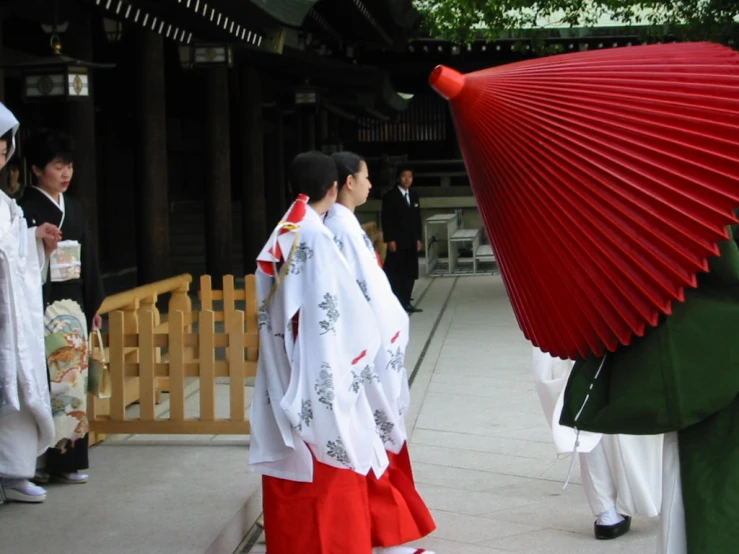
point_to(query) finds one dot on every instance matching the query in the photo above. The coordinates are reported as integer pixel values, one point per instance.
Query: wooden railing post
(236, 366)
(117, 367)
(206, 327)
(148, 304)
(176, 378)
(180, 301)
(147, 366)
(251, 320)
(206, 293)
(98, 407)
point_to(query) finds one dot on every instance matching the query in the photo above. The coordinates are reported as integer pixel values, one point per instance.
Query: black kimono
(84, 295)
(401, 223)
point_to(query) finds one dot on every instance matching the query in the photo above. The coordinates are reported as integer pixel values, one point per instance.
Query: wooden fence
(207, 351)
(134, 304)
(206, 345)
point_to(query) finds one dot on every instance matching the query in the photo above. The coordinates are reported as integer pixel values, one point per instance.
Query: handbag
(98, 377)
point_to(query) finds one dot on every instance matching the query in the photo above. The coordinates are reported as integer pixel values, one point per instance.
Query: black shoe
(608, 532)
(412, 310)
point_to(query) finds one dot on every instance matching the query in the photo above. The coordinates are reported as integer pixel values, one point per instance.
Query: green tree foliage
(466, 20)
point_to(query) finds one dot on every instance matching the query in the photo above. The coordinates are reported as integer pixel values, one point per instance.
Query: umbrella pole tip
(446, 81)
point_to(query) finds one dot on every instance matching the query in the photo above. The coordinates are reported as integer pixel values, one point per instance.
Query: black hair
(347, 163)
(313, 174)
(47, 145)
(404, 167)
(7, 138)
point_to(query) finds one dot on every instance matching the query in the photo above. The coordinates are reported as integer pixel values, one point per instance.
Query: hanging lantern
(205, 55)
(57, 77)
(113, 29)
(306, 96)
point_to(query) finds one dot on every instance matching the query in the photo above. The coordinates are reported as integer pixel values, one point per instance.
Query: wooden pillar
(80, 122)
(281, 175)
(299, 130)
(275, 168)
(217, 144)
(292, 129)
(334, 127)
(153, 188)
(253, 201)
(310, 129)
(323, 133)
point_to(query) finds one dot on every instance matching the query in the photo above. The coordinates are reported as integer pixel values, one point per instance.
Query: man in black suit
(401, 229)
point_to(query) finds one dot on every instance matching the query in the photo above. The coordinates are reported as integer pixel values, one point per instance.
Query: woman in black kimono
(73, 293)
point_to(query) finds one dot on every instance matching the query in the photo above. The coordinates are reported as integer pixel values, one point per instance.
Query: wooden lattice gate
(194, 357)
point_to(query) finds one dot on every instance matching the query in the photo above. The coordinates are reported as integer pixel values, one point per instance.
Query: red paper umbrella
(605, 180)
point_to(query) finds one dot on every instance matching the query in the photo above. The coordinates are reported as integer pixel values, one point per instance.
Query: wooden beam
(217, 144)
(80, 123)
(153, 186)
(253, 200)
(275, 169)
(186, 427)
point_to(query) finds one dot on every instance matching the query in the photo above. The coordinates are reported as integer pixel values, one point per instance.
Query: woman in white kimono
(398, 513)
(26, 426)
(313, 432)
(621, 474)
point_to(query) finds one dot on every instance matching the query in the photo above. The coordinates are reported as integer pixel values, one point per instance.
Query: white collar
(342, 211)
(403, 191)
(312, 215)
(11, 203)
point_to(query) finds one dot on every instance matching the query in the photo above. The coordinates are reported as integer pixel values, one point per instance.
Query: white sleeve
(37, 257)
(338, 338)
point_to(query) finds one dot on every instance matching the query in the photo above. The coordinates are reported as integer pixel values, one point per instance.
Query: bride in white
(26, 425)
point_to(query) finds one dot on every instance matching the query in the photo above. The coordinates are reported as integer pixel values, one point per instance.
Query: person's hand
(47, 230)
(49, 246)
(391, 246)
(419, 245)
(97, 322)
(50, 235)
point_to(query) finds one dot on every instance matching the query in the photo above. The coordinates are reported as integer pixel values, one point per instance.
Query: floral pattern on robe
(391, 398)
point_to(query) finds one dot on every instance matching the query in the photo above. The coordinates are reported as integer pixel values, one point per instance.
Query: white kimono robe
(634, 462)
(391, 406)
(310, 395)
(26, 425)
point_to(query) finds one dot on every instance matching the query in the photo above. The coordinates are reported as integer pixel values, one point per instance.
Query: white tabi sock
(610, 517)
(22, 490)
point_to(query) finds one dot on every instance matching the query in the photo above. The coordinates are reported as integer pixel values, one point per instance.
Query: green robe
(682, 375)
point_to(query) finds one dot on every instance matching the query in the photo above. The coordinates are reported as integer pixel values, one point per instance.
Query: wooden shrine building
(186, 112)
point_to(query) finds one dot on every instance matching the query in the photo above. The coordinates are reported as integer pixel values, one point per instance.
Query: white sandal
(22, 490)
(71, 477)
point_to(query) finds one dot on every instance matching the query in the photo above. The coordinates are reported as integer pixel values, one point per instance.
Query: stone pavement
(482, 453)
